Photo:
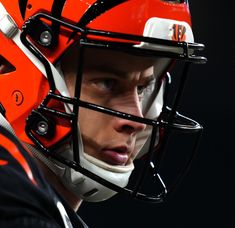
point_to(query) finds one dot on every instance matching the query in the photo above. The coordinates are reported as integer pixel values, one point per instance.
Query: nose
(129, 126)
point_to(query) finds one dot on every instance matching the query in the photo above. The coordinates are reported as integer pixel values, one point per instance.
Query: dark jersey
(26, 198)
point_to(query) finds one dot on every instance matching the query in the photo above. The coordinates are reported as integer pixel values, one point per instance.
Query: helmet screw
(46, 38)
(42, 127)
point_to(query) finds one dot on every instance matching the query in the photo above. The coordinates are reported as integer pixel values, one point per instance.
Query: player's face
(116, 81)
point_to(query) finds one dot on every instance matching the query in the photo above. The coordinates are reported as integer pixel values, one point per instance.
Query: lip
(116, 155)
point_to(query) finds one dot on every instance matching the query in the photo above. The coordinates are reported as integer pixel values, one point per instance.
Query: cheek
(70, 82)
(95, 130)
(86, 120)
(92, 124)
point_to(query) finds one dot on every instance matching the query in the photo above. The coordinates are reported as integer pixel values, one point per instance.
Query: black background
(206, 197)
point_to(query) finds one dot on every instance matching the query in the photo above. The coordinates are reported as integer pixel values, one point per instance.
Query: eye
(105, 84)
(140, 89)
(146, 88)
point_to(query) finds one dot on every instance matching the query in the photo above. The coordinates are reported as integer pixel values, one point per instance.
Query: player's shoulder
(15, 158)
(24, 192)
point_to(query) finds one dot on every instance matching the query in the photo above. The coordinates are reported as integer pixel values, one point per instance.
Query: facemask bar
(171, 120)
(168, 119)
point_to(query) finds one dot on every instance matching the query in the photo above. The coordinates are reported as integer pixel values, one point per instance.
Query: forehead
(98, 58)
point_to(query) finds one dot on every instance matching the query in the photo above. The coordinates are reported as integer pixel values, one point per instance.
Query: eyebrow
(109, 69)
(120, 73)
(149, 78)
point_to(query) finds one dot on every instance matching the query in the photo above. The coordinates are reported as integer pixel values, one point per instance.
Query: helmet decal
(179, 32)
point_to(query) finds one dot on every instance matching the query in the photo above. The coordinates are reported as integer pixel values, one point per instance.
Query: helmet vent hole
(5, 66)
(29, 6)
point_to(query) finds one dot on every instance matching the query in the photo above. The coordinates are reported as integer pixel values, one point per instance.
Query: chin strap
(58, 170)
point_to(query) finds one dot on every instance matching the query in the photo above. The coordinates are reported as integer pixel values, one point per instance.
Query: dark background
(206, 197)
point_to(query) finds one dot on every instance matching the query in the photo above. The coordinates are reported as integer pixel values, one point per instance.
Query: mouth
(116, 156)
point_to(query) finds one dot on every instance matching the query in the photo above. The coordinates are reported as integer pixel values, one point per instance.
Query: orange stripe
(14, 151)
(177, 32)
(3, 162)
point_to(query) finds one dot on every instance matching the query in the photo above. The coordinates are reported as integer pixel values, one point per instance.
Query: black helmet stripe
(95, 10)
(22, 6)
(57, 8)
(98, 8)
(56, 12)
